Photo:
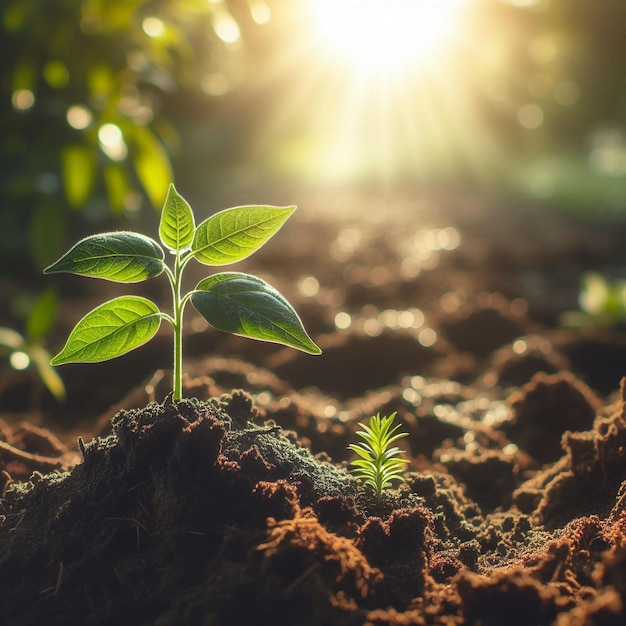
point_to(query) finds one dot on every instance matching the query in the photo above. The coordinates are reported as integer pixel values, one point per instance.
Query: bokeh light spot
(530, 116)
(23, 99)
(427, 337)
(79, 117)
(215, 84)
(225, 27)
(308, 286)
(153, 27)
(260, 12)
(112, 142)
(19, 360)
(343, 320)
(520, 346)
(372, 327)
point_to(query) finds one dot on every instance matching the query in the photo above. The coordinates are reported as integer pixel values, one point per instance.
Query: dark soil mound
(201, 513)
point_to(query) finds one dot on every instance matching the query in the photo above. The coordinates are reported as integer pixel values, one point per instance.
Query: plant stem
(178, 306)
(177, 383)
(178, 364)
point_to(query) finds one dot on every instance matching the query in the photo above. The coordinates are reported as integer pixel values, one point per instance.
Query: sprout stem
(177, 373)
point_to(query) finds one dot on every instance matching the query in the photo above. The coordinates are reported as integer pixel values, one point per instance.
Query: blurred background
(104, 102)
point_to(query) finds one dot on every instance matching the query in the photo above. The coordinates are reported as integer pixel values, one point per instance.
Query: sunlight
(384, 35)
(383, 94)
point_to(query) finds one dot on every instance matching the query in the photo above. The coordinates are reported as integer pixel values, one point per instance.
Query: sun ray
(381, 116)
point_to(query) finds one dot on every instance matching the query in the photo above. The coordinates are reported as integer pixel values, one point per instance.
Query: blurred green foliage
(96, 96)
(27, 352)
(602, 303)
(82, 126)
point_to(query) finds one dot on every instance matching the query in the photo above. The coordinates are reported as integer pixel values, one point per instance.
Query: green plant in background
(93, 96)
(378, 463)
(230, 301)
(24, 350)
(602, 303)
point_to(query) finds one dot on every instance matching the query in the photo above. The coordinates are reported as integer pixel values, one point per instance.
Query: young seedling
(230, 301)
(378, 464)
(602, 303)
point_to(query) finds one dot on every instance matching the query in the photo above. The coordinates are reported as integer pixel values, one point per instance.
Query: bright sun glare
(384, 35)
(385, 90)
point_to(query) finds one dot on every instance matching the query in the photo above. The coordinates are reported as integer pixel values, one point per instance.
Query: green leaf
(42, 315)
(361, 450)
(246, 305)
(110, 330)
(177, 225)
(122, 256)
(233, 234)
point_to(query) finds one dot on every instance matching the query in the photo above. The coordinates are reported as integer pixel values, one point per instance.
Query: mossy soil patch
(235, 507)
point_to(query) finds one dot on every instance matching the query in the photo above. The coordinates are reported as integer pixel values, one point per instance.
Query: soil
(235, 506)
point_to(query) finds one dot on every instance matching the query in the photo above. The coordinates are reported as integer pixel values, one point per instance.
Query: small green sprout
(230, 301)
(378, 464)
(602, 303)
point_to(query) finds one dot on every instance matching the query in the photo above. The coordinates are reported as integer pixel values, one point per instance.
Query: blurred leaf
(51, 379)
(13, 342)
(602, 303)
(246, 305)
(56, 74)
(24, 75)
(42, 315)
(101, 80)
(151, 164)
(46, 234)
(110, 330)
(117, 185)
(15, 16)
(121, 256)
(78, 170)
(11, 339)
(594, 294)
(171, 51)
(194, 6)
(168, 133)
(112, 15)
(92, 54)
